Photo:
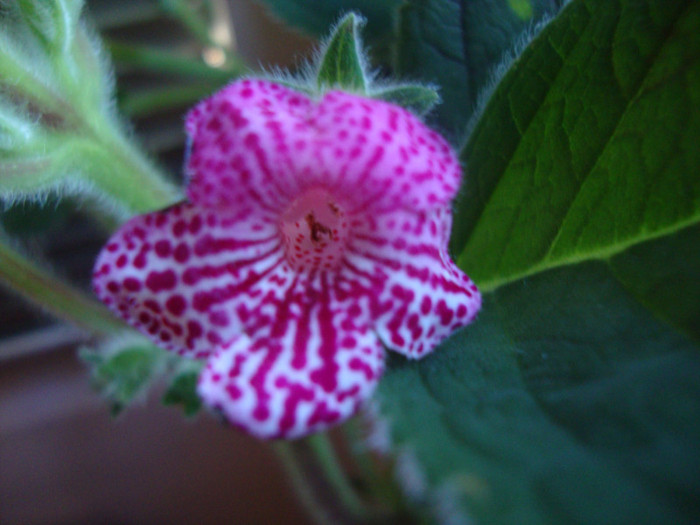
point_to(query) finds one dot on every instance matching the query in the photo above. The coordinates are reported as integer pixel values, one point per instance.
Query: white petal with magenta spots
(191, 279)
(310, 369)
(382, 156)
(317, 233)
(418, 296)
(243, 143)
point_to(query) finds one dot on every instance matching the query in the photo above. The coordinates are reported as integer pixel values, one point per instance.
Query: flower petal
(259, 144)
(381, 155)
(309, 370)
(243, 143)
(189, 278)
(418, 295)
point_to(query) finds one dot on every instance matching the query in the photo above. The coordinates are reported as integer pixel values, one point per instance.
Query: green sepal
(342, 64)
(182, 389)
(414, 97)
(123, 369)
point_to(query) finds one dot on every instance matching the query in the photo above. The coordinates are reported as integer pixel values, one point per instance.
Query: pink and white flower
(315, 236)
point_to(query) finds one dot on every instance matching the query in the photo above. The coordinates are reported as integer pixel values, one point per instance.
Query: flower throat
(315, 231)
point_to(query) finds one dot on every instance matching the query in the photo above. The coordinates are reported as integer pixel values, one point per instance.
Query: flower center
(315, 231)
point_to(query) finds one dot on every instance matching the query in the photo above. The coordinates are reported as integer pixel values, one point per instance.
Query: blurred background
(63, 458)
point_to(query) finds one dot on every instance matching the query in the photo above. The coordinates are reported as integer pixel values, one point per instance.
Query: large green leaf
(315, 16)
(457, 44)
(566, 402)
(574, 398)
(598, 127)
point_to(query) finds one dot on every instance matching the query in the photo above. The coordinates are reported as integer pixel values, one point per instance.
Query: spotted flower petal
(260, 142)
(309, 369)
(418, 295)
(187, 277)
(316, 234)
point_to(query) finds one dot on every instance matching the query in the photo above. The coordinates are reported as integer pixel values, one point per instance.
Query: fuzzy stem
(31, 87)
(376, 475)
(321, 482)
(304, 489)
(128, 176)
(61, 300)
(118, 169)
(326, 455)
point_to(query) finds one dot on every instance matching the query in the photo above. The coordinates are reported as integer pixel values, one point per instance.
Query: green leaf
(589, 145)
(123, 369)
(663, 275)
(417, 98)
(457, 45)
(566, 402)
(315, 16)
(183, 389)
(342, 64)
(574, 397)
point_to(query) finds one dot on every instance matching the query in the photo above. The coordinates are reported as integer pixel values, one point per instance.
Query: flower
(315, 235)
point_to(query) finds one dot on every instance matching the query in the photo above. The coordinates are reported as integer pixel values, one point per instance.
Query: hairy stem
(377, 476)
(127, 175)
(58, 298)
(321, 482)
(335, 474)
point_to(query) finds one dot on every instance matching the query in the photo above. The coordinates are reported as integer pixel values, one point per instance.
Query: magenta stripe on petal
(310, 369)
(241, 151)
(316, 236)
(256, 141)
(187, 278)
(381, 155)
(418, 295)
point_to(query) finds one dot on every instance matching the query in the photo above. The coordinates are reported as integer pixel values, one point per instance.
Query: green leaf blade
(457, 45)
(607, 142)
(574, 396)
(663, 275)
(315, 16)
(564, 392)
